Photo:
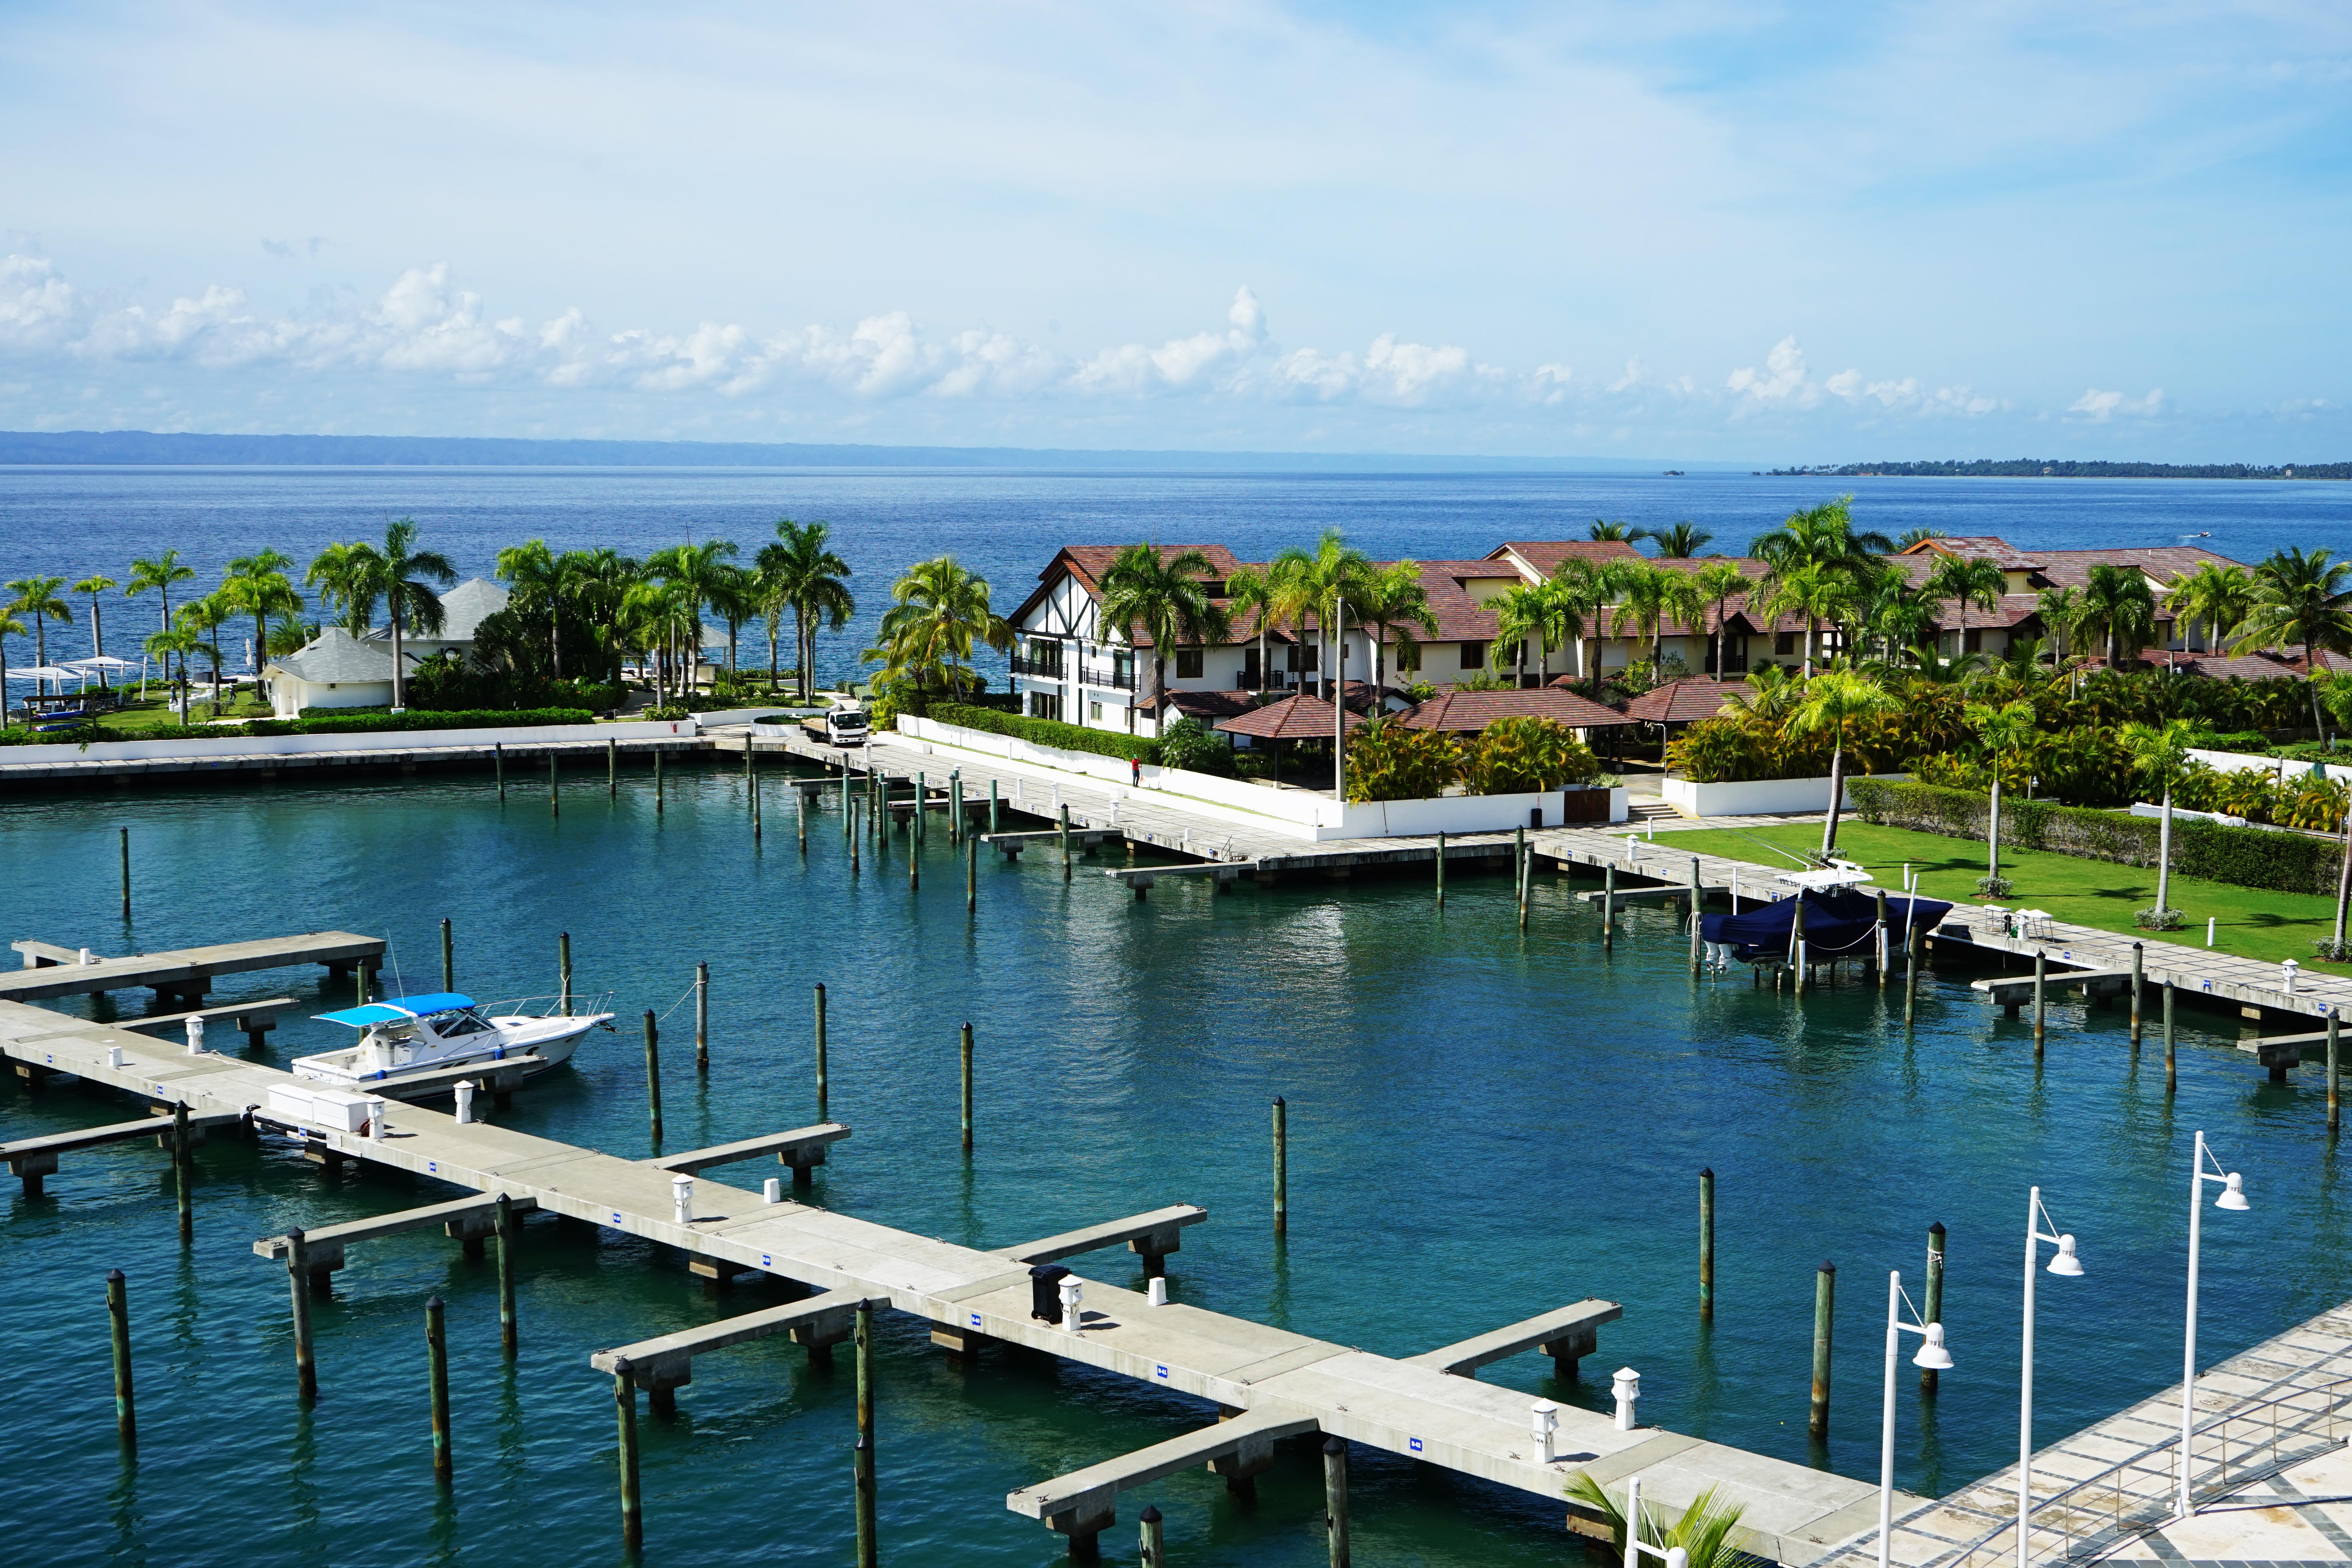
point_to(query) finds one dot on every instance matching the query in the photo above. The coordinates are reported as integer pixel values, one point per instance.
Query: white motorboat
(418, 1037)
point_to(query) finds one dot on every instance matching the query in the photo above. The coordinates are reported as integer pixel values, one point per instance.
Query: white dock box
(329, 1109)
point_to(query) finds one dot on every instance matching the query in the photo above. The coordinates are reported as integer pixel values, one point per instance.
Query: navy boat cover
(1839, 923)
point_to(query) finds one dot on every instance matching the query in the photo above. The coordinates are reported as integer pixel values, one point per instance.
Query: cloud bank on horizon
(1597, 232)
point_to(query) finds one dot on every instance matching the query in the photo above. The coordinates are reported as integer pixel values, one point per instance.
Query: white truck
(842, 724)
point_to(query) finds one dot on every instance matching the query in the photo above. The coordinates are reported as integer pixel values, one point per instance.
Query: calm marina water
(1483, 1125)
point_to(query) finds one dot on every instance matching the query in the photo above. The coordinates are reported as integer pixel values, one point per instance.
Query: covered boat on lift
(1841, 921)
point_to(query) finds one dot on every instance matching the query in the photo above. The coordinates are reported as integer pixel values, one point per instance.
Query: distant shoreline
(2059, 468)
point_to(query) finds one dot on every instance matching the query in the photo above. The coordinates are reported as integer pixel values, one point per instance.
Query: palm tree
(257, 585)
(2300, 597)
(1716, 583)
(1976, 581)
(159, 572)
(10, 627)
(1250, 592)
(202, 621)
(37, 597)
(1911, 536)
(94, 586)
(1392, 600)
(2214, 597)
(1584, 587)
(162, 645)
(1641, 593)
(1833, 701)
(2118, 606)
(1165, 594)
(1677, 542)
(2061, 610)
(2007, 731)
(598, 582)
(1819, 591)
(403, 578)
(1823, 533)
(536, 573)
(803, 574)
(938, 613)
(1612, 532)
(345, 575)
(697, 573)
(2160, 755)
(734, 599)
(1703, 1532)
(1306, 585)
(1524, 613)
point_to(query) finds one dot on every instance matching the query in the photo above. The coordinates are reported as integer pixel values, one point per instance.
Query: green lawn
(2255, 923)
(135, 716)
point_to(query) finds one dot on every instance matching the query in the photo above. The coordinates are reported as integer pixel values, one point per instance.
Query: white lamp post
(2232, 1197)
(1672, 1556)
(2065, 1265)
(1932, 1355)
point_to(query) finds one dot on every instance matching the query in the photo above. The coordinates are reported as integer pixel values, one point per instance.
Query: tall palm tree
(2214, 597)
(402, 578)
(1166, 594)
(1911, 536)
(805, 575)
(1307, 585)
(1823, 534)
(1680, 598)
(1585, 588)
(202, 619)
(1818, 591)
(597, 585)
(94, 586)
(1676, 541)
(1833, 701)
(1612, 532)
(938, 613)
(1250, 592)
(10, 627)
(344, 575)
(2300, 597)
(734, 599)
(1642, 595)
(257, 585)
(37, 597)
(1967, 581)
(2118, 606)
(1523, 614)
(182, 641)
(697, 573)
(159, 572)
(2159, 753)
(2061, 610)
(1716, 583)
(536, 574)
(2007, 732)
(1392, 600)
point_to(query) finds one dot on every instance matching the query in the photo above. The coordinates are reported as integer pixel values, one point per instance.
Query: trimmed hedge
(1048, 732)
(2241, 856)
(349, 724)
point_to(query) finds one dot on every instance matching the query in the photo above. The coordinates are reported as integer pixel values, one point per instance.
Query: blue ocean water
(1483, 1123)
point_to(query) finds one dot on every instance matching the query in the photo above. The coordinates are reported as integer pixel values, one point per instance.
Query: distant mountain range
(148, 447)
(2064, 468)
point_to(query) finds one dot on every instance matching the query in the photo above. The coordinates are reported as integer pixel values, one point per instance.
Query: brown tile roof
(1088, 562)
(2071, 568)
(1546, 556)
(1977, 547)
(1202, 704)
(1476, 710)
(1682, 701)
(1298, 717)
(2222, 667)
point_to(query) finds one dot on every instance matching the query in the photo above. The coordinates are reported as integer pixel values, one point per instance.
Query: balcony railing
(1117, 677)
(1048, 665)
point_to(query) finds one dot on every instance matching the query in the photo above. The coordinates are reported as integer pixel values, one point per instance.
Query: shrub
(667, 713)
(1521, 755)
(327, 721)
(2159, 920)
(1189, 743)
(1388, 762)
(1046, 732)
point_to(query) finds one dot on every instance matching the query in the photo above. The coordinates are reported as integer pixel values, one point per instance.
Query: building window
(1045, 705)
(1474, 655)
(1249, 676)
(1407, 657)
(1783, 644)
(1975, 645)
(1302, 656)
(1187, 664)
(1094, 712)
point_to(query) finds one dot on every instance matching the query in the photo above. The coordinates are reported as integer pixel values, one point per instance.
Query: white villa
(336, 669)
(1067, 666)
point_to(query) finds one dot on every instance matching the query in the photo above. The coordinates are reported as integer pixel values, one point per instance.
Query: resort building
(336, 669)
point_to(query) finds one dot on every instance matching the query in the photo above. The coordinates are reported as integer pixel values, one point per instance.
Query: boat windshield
(465, 1021)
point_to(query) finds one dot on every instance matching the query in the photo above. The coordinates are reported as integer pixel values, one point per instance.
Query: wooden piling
(971, 873)
(1281, 1166)
(436, 1371)
(1520, 864)
(298, 1268)
(820, 1052)
(509, 1329)
(1065, 842)
(991, 806)
(847, 836)
(499, 760)
(184, 1175)
(755, 809)
(118, 1314)
(612, 769)
(563, 972)
(1910, 964)
(955, 806)
(126, 874)
(1697, 952)
(2137, 972)
(702, 1018)
(1441, 870)
(1797, 942)
(653, 1073)
(918, 827)
(867, 1547)
(2171, 1069)
(1882, 953)
(554, 787)
(1706, 1245)
(1609, 906)
(624, 1402)
(1335, 1498)
(914, 848)
(2041, 999)
(848, 817)
(1934, 1311)
(660, 802)
(449, 959)
(965, 1052)
(1824, 1304)
(1155, 1545)
(800, 810)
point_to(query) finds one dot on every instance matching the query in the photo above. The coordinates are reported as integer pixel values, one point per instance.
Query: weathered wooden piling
(820, 1052)
(1281, 1166)
(850, 815)
(554, 787)
(1824, 1304)
(1155, 1545)
(955, 806)
(1934, 1311)
(499, 760)
(436, 1372)
(848, 836)
(624, 1402)
(991, 806)
(117, 1315)
(702, 1018)
(1520, 864)
(612, 769)
(964, 1050)
(918, 827)
(800, 811)
(126, 873)
(1706, 1245)
(660, 801)
(1441, 870)
(1697, 954)
(2171, 1067)
(298, 1269)
(1065, 842)
(1910, 965)
(184, 1174)
(867, 1547)
(1883, 955)
(449, 959)
(914, 855)
(1608, 906)
(653, 1073)
(509, 1329)
(2333, 1119)
(562, 972)
(755, 809)
(1335, 1498)
(2137, 973)
(1797, 942)
(2040, 997)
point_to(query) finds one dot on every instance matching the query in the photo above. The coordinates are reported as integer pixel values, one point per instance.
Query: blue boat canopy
(393, 1009)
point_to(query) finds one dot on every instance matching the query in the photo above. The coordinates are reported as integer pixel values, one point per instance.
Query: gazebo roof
(1300, 718)
(1464, 710)
(1681, 702)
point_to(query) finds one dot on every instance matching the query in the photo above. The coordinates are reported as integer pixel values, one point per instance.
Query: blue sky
(1736, 232)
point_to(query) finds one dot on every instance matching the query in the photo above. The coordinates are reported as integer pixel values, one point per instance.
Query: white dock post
(772, 1191)
(1156, 1290)
(465, 1102)
(1627, 1387)
(114, 1056)
(195, 1036)
(2287, 970)
(2208, 930)
(1072, 1293)
(86, 957)
(1545, 1417)
(377, 1126)
(681, 1194)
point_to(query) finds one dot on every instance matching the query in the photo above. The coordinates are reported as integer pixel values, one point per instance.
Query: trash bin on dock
(1046, 1291)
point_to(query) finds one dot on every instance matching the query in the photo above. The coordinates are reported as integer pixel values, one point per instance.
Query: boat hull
(552, 1040)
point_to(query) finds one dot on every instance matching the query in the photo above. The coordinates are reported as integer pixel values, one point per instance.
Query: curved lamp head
(1932, 1355)
(2234, 1194)
(2065, 1262)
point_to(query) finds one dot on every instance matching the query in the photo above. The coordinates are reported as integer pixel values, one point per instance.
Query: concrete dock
(187, 973)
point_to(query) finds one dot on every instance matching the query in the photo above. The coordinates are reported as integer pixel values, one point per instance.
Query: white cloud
(2100, 407)
(1782, 381)
(37, 306)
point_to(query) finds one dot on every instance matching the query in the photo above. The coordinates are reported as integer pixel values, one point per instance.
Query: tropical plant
(2008, 732)
(1391, 600)
(2159, 756)
(938, 613)
(1309, 585)
(1643, 594)
(1676, 542)
(1716, 583)
(1250, 592)
(2301, 596)
(2061, 610)
(1186, 742)
(1524, 613)
(37, 597)
(159, 572)
(2216, 598)
(1912, 536)
(1584, 588)
(1163, 594)
(1524, 754)
(257, 585)
(734, 599)
(536, 576)
(401, 578)
(1704, 1531)
(163, 645)
(1387, 761)
(2119, 608)
(10, 627)
(94, 586)
(203, 619)
(1815, 591)
(1609, 532)
(805, 576)
(344, 574)
(1965, 581)
(1833, 701)
(698, 577)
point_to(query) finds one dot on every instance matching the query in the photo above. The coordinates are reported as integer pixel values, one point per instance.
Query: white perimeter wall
(372, 741)
(1759, 797)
